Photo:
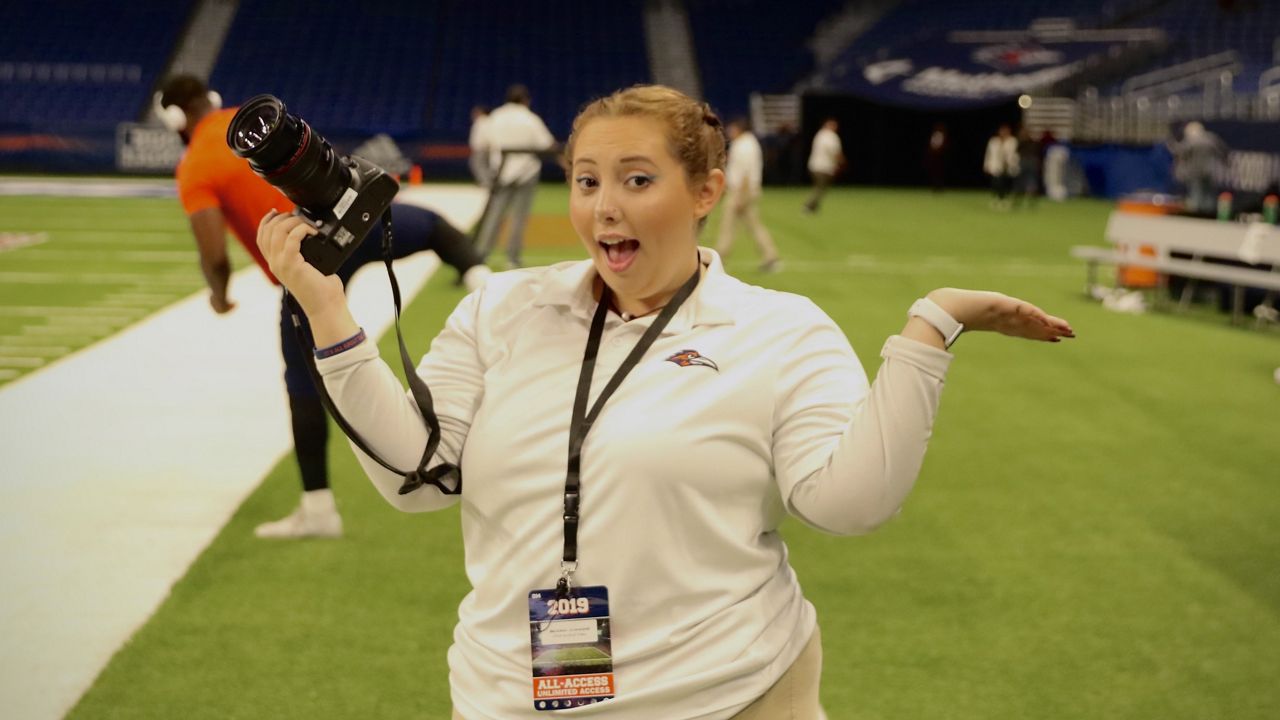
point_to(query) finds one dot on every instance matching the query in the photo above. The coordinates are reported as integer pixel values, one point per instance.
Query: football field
(1093, 535)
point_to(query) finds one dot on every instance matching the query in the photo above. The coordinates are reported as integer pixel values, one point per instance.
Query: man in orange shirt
(219, 192)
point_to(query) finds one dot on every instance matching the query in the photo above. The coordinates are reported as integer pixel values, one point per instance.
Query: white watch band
(940, 319)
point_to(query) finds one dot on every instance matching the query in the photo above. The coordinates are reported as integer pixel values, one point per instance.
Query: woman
(1001, 163)
(747, 404)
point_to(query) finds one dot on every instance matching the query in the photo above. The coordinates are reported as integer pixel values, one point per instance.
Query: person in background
(1198, 162)
(1001, 163)
(743, 177)
(935, 157)
(478, 162)
(1027, 187)
(219, 192)
(826, 158)
(512, 127)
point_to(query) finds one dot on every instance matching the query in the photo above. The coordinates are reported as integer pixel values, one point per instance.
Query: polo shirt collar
(568, 285)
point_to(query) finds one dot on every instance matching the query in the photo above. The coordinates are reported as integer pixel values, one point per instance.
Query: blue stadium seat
(71, 65)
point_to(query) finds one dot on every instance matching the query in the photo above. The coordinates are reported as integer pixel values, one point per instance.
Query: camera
(342, 196)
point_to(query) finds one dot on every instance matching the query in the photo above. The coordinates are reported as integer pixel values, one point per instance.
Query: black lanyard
(582, 420)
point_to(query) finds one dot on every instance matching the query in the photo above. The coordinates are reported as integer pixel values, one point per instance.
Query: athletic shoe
(771, 266)
(317, 516)
(474, 278)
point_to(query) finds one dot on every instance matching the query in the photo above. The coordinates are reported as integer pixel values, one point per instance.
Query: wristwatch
(940, 319)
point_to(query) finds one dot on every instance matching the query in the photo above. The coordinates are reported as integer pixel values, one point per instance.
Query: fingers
(1062, 327)
(280, 236)
(294, 234)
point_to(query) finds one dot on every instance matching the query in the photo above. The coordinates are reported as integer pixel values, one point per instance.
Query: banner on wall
(941, 73)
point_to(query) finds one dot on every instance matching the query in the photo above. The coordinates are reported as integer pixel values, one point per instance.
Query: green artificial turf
(1093, 534)
(98, 265)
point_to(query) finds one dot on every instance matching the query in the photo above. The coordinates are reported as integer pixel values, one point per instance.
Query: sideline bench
(1252, 243)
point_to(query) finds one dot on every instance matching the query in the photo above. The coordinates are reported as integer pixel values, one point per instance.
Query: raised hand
(321, 296)
(981, 310)
(280, 238)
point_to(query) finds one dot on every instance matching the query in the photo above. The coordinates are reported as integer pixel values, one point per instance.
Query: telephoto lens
(287, 153)
(342, 196)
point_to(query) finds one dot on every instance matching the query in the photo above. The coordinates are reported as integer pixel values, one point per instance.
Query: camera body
(341, 228)
(343, 197)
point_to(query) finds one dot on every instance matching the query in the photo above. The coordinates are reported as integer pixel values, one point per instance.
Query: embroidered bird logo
(685, 358)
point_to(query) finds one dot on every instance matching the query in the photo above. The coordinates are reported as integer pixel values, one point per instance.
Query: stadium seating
(342, 68)
(1197, 29)
(409, 69)
(72, 66)
(565, 56)
(746, 46)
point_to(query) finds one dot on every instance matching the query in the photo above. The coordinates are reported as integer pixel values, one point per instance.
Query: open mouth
(619, 253)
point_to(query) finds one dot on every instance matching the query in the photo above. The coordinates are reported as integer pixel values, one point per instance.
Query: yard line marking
(19, 361)
(170, 239)
(17, 340)
(50, 310)
(48, 330)
(8, 374)
(90, 320)
(131, 306)
(40, 350)
(142, 256)
(13, 241)
(871, 266)
(37, 278)
(98, 232)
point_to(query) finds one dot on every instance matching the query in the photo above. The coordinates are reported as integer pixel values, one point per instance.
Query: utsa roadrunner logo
(685, 358)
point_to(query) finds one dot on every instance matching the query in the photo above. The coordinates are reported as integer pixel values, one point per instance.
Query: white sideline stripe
(117, 475)
(88, 187)
(108, 515)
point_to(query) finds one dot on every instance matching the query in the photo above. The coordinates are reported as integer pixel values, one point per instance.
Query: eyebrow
(627, 159)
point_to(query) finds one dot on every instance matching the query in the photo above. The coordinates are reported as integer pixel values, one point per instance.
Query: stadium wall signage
(948, 74)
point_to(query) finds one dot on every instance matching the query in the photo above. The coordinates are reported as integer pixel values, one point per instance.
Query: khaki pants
(820, 183)
(793, 697)
(750, 214)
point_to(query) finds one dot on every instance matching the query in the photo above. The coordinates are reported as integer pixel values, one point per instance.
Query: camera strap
(421, 394)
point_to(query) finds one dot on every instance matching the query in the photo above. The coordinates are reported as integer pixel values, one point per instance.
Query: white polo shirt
(745, 168)
(515, 126)
(825, 155)
(686, 476)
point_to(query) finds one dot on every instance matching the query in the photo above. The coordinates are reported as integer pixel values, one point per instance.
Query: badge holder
(571, 645)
